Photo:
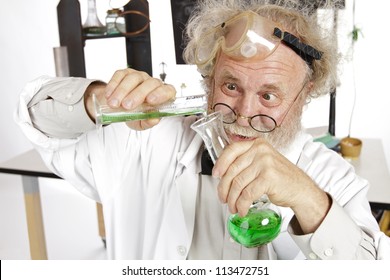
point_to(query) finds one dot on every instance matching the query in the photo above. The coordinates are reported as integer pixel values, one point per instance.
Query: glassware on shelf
(115, 22)
(92, 25)
(182, 106)
(263, 222)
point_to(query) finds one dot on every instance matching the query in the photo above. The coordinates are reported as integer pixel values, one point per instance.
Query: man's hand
(129, 88)
(250, 169)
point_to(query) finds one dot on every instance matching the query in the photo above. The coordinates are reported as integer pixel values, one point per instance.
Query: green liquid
(257, 228)
(94, 30)
(136, 116)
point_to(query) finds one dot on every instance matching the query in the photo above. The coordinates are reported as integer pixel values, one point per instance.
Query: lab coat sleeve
(338, 237)
(63, 156)
(57, 108)
(349, 230)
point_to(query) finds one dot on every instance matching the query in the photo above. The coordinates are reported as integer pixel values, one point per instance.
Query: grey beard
(282, 137)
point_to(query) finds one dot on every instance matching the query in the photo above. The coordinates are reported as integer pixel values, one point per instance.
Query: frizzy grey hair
(296, 17)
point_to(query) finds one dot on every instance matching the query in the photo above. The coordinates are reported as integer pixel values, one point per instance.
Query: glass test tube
(181, 106)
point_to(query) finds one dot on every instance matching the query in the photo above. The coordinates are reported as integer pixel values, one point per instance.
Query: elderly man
(260, 63)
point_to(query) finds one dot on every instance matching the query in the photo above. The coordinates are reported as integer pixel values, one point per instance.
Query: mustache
(249, 132)
(280, 138)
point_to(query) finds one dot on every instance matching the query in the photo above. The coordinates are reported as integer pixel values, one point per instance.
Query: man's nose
(246, 108)
(243, 120)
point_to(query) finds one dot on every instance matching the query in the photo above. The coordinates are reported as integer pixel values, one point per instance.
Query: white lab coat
(148, 180)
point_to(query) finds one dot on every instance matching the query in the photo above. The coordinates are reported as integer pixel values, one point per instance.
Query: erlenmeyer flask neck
(210, 128)
(262, 203)
(92, 17)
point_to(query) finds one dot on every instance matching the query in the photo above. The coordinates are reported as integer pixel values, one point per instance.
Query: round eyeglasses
(261, 123)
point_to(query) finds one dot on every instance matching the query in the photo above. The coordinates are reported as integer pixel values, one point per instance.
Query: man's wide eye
(269, 99)
(230, 86)
(267, 96)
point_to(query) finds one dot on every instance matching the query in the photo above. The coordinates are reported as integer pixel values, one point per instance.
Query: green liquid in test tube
(181, 106)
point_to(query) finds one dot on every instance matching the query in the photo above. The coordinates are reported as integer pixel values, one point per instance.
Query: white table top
(372, 166)
(28, 163)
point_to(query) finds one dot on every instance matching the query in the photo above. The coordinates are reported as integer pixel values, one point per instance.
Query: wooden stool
(102, 230)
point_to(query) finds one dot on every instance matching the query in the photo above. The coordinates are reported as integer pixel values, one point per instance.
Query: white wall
(370, 115)
(29, 32)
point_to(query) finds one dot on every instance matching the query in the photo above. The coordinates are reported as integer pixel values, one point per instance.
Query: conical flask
(92, 25)
(210, 128)
(263, 222)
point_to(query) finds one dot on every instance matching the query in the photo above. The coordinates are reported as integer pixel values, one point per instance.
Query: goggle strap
(306, 52)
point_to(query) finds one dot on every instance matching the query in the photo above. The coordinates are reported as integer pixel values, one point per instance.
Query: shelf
(109, 36)
(104, 36)
(138, 48)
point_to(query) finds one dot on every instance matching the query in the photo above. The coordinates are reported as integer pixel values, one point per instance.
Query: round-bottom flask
(259, 226)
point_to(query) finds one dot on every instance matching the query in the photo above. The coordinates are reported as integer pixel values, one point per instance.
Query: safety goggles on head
(248, 35)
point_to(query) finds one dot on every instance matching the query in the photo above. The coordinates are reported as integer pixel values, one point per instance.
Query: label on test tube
(181, 106)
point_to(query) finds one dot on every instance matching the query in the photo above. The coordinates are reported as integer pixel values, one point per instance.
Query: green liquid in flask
(257, 228)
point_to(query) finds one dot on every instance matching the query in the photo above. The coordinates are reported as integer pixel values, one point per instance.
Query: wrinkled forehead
(281, 65)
